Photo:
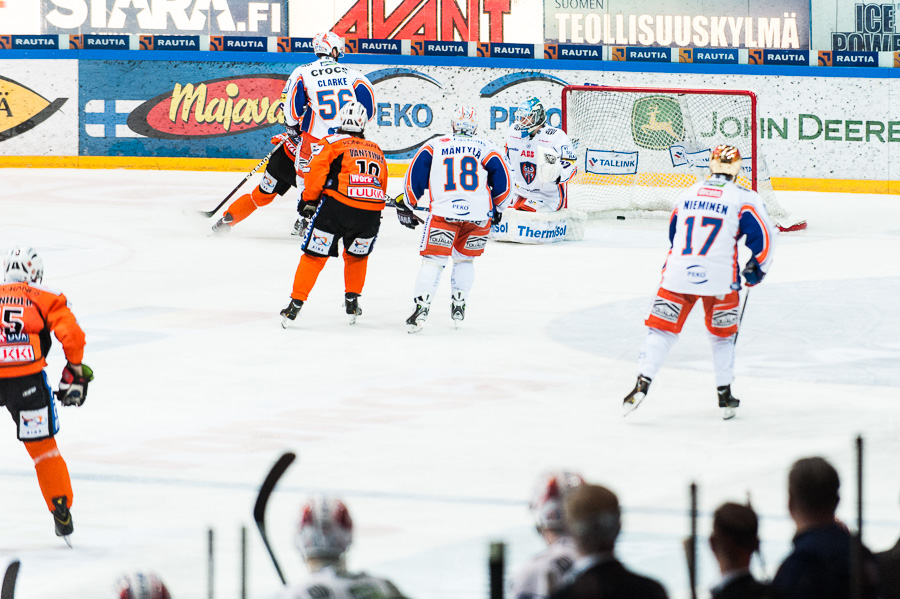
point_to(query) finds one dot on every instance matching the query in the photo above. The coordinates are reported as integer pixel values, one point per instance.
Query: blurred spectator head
(547, 501)
(593, 518)
(813, 486)
(141, 585)
(325, 530)
(735, 535)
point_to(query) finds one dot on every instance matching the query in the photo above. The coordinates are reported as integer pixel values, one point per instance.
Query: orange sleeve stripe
(762, 225)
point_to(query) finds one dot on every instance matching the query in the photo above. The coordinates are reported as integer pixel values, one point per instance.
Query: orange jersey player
(311, 101)
(28, 314)
(343, 198)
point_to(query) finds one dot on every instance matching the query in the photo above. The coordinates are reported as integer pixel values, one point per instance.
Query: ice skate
(62, 518)
(417, 318)
(351, 304)
(457, 308)
(290, 313)
(300, 227)
(727, 402)
(223, 225)
(637, 395)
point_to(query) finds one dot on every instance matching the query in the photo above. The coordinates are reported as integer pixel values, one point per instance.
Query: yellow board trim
(395, 169)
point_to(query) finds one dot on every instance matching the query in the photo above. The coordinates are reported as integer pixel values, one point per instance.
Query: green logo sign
(656, 122)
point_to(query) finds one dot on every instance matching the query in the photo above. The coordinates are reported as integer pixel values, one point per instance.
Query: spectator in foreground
(141, 585)
(733, 540)
(889, 569)
(820, 565)
(594, 520)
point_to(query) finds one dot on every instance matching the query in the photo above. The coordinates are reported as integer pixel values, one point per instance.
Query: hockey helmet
(141, 585)
(549, 494)
(325, 42)
(23, 264)
(530, 116)
(463, 121)
(325, 529)
(353, 117)
(725, 160)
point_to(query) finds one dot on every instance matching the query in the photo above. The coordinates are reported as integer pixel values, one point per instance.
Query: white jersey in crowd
(333, 583)
(466, 177)
(544, 574)
(315, 92)
(706, 225)
(523, 155)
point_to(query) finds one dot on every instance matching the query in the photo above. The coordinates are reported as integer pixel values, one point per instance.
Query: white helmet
(23, 264)
(353, 117)
(725, 160)
(325, 529)
(141, 585)
(463, 121)
(547, 502)
(327, 41)
(530, 116)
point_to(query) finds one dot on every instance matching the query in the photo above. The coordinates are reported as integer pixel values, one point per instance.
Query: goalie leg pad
(669, 311)
(533, 227)
(722, 314)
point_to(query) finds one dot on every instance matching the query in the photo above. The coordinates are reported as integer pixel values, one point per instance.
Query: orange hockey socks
(244, 206)
(52, 473)
(305, 278)
(354, 272)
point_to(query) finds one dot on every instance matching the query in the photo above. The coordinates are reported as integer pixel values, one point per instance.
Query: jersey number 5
(12, 320)
(468, 176)
(708, 221)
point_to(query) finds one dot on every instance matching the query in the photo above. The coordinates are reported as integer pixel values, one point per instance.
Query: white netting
(638, 148)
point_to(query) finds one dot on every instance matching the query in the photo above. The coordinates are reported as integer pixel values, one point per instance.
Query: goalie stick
(8, 590)
(210, 213)
(259, 510)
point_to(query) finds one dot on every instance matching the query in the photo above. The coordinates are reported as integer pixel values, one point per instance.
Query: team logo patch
(528, 171)
(364, 180)
(476, 242)
(267, 185)
(666, 310)
(722, 319)
(365, 193)
(441, 237)
(11, 354)
(361, 247)
(709, 193)
(696, 274)
(34, 424)
(319, 242)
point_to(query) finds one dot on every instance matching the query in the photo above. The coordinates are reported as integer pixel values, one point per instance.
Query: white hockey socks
(429, 276)
(654, 351)
(462, 278)
(723, 358)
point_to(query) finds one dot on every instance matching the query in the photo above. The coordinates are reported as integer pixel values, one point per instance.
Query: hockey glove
(292, 140)
(404, 214)
(753, 274)
(74, 384)
(496, 217)
(307, 209)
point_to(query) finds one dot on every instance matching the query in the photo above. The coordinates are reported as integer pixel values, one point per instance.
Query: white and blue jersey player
(709, 220)
(463, 181)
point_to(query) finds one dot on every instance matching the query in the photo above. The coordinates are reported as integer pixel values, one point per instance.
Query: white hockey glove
(549, 169)
(74, 384)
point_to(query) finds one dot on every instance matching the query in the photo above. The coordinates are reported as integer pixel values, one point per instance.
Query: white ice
(434, 440)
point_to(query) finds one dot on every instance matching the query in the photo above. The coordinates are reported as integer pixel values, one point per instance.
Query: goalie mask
(325, 42)
(530, 116)
(325, 529)
(353, 117)
(463, 121)
(725, 160)
(24, 265)
(141, 585)
(549, 494)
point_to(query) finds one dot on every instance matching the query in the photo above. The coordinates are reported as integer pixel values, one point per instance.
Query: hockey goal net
(637, 148)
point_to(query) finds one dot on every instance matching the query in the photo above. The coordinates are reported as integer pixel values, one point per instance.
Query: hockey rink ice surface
(433, 440)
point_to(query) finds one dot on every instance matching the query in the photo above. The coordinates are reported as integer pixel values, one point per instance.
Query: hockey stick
(241, 184)
(496, 566)
(690, 544)
(8, 590)
(259, 510)
(741, 316)
(856, 551)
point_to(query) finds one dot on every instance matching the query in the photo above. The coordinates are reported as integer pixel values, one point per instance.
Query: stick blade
(8, 590)
(259, 510)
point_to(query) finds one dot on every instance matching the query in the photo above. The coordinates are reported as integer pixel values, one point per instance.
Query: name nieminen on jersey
(704, 205)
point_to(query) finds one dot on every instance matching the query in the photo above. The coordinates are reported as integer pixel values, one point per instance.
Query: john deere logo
(656, 123)
(22, 109)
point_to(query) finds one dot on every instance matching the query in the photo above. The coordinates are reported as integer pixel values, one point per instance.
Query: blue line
(464, 61)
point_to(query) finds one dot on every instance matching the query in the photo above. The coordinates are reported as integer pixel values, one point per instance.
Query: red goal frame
(754, 123)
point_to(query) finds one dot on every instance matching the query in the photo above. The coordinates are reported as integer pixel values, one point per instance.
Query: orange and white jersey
(332, 583)
(706, 225)
(349, 169)
(315, 92)
(545, 574)
(522, 154)
(463, 177)
(28, 313)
